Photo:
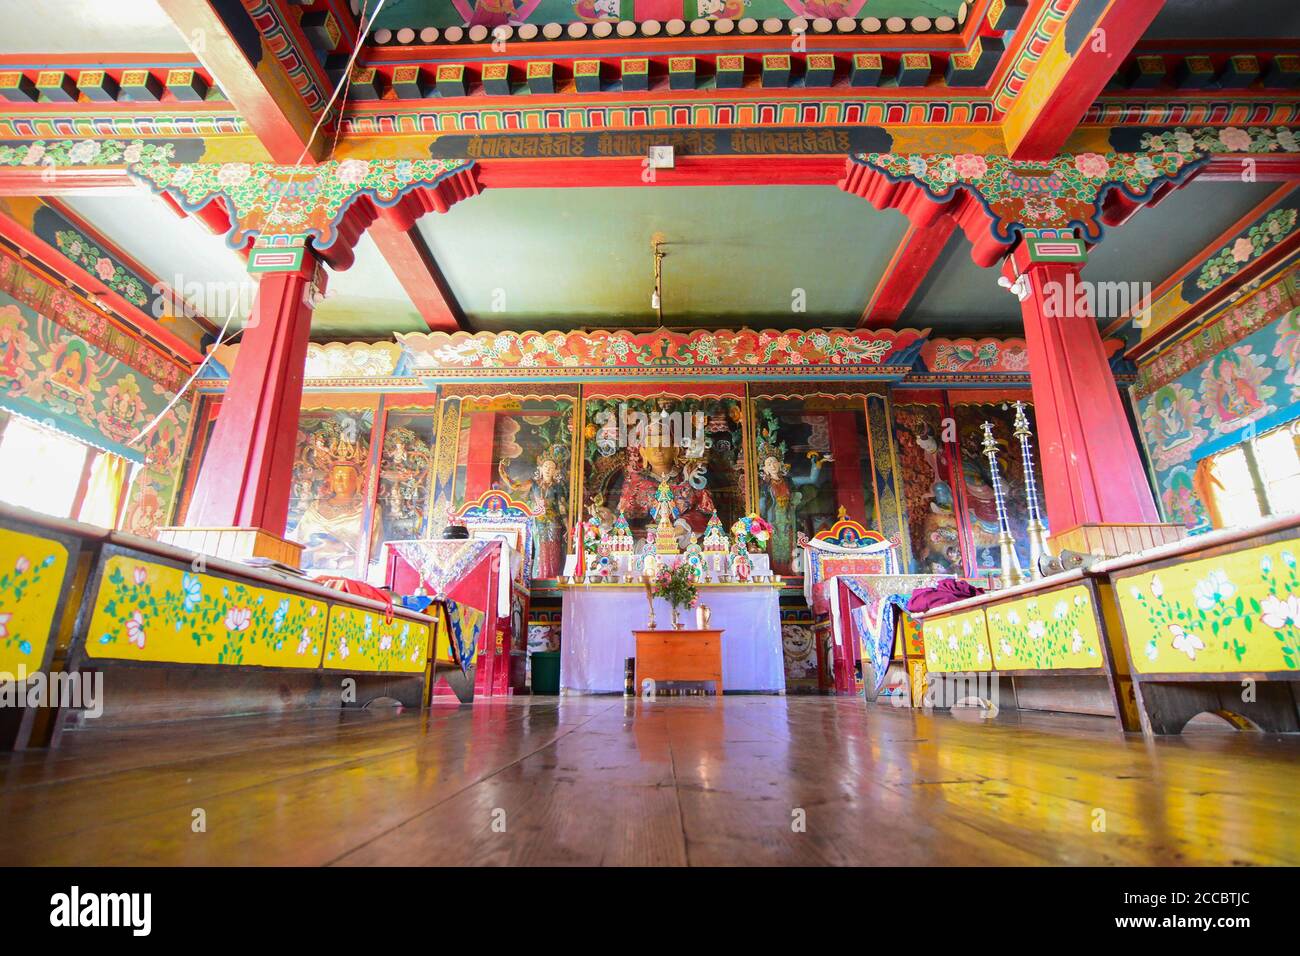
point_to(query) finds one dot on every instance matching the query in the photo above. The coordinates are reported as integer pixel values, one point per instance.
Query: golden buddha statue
(659, 461)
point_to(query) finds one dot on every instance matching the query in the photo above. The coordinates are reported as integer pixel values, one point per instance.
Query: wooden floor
(598, 780)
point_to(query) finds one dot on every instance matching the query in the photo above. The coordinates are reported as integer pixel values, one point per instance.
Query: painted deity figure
(780, 498)
(742, 569)
(331, 525)
(1174, 428)
(1237, 396)
(658, 462)
(547, 495)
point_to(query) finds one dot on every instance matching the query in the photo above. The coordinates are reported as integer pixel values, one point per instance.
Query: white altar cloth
(598, 620)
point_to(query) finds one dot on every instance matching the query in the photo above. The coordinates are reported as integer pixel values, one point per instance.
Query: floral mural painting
(1246, 248)
(1239, 612)
(666, 352)
(93, 259)
(86, 152)
(149, 611)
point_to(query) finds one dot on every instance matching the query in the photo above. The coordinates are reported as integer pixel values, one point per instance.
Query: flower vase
(677, 621)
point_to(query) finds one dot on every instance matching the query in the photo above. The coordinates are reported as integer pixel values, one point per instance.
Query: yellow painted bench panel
(1231, 613)
(1056, 630)
(148, 611)
(957, 642)
(32, 570)
(360, 640)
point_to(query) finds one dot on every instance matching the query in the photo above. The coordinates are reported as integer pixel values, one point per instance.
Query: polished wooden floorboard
(603, 781)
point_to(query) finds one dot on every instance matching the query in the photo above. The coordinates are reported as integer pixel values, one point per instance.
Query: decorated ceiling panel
(442, 13)
(786, 257)
(959, 296)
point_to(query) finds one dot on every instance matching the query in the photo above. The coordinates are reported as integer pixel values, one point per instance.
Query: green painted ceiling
(365, 300)
(75, 26)
(441, 13)
(960, 297)
(558, 258)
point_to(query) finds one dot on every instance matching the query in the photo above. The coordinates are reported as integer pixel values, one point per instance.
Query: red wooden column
(241, 499)
(1098, 496)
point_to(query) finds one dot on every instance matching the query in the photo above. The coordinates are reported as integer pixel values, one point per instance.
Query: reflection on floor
(597, 780)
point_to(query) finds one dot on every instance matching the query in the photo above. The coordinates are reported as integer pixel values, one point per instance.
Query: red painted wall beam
(912, 262)
(278, 116)
(923, 211)
(413, 264)
(62, 265)
(689, 171)
(1100, 50)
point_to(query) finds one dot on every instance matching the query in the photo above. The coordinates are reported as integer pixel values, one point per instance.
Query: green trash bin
(546, 672)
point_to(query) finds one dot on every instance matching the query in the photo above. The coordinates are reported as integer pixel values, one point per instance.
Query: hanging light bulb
(656, 299)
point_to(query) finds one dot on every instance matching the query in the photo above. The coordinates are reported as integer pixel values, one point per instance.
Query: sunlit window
(1257, 478)
(1279, 467)
(39, 468)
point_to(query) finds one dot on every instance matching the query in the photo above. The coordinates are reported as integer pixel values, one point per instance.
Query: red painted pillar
(1092, 472)
(846, 470)
(480, 469)
(246, 483)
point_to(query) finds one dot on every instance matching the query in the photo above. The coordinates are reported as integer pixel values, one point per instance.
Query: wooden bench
(1206, 625)
(1047, 637)
(1209, 625)
(178, 635)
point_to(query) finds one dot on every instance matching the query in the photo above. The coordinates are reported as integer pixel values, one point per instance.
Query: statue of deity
(665, 510)
(658, 463)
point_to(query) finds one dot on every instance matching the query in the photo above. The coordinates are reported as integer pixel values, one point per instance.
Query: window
(1257, 478)
(39, 468)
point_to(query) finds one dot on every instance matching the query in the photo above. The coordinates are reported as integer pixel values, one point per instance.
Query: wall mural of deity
(405, 472)
(533, 453)
(981, 510)
(327, 503)
(928, 488)
(694, 444)
(814, 457)
(1241, 370)
(73, 382)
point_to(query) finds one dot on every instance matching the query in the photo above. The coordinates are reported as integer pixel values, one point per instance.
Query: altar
(598, 620)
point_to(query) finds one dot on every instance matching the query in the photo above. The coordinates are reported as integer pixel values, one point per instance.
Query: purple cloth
(945, 592)
(596, 635)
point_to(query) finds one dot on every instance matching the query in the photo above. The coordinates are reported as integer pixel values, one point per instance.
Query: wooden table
(670, 655)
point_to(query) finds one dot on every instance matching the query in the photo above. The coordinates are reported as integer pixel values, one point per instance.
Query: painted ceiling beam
(1076, 66)
(54, 260)
(912, 262)
(257, 85)
(408, 255)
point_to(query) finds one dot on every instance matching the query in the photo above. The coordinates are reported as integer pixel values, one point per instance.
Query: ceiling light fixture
(656, 296)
